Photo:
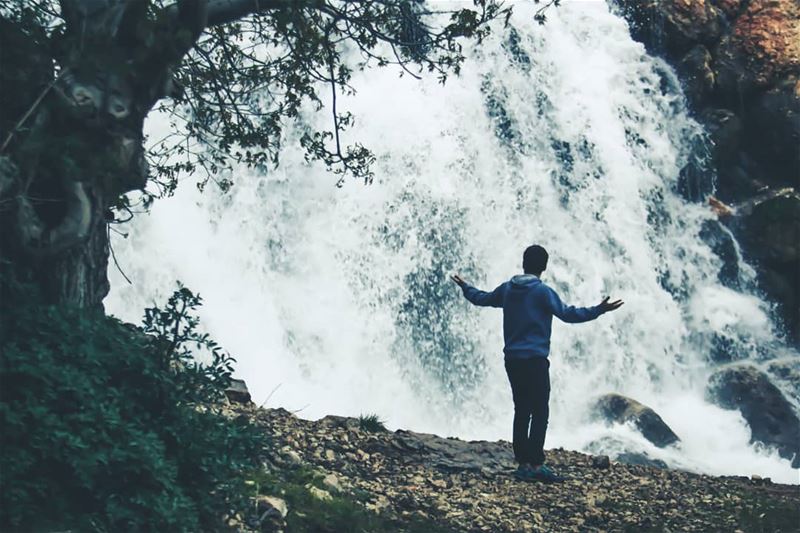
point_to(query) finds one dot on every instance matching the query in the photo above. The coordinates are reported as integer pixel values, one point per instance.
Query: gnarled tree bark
(72, 139)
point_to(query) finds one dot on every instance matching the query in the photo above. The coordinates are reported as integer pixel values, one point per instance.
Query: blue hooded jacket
(528, 309)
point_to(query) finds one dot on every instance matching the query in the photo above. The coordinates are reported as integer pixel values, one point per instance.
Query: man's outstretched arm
(574, 315)
(478, 297)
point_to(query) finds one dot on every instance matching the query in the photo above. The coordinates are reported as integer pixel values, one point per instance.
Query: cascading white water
(337, 301)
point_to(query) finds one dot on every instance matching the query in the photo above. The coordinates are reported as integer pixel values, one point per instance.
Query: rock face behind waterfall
(739, 62)
(621, 409)
(455, 485)
(767, 411)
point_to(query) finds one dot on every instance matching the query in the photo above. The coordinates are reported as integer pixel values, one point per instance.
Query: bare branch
(31, 109)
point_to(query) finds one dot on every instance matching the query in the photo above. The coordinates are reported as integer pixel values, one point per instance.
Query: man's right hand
(458, 280)
(606, 306)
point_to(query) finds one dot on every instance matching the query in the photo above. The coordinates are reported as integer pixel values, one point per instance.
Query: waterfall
(337, 301)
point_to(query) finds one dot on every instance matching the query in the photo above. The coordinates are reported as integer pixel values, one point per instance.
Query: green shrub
(109, 427)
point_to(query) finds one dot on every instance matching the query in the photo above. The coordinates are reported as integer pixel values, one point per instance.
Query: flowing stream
(337, 301)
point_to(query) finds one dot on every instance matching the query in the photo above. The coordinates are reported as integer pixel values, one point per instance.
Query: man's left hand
(458, 280)
(606, 306)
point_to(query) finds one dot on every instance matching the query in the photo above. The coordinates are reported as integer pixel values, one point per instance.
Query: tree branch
(225, 11)
(94, 17)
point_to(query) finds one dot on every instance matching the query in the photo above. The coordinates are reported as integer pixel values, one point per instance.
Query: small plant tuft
(371, 423)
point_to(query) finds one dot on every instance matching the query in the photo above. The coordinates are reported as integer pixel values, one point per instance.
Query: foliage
(234, 82)
(106, 428)
(243, 80)
(372, 423)
(343, 512)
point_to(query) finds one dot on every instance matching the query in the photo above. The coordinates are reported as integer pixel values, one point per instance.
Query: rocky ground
(439, 484)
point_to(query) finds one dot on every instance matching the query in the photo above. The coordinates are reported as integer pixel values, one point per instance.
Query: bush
(109, 427)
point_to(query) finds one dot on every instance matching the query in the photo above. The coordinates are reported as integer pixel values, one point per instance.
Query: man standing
(528, 309)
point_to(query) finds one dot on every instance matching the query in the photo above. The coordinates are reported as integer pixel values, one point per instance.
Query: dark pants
(530, 386)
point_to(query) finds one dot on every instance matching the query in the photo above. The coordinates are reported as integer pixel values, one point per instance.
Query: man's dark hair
(534, 260)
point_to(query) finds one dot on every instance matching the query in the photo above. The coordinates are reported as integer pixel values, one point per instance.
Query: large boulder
(769, 228)
(772, 226)
(786, 371)
(621, 409)
(773, 132)
(672, 27)
(762, 48)
(741, 180)
(769, 414)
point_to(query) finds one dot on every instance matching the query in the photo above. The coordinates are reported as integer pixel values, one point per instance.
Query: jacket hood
(525, 279)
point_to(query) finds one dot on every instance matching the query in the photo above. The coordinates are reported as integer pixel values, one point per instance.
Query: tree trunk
(75, 276)
(71, 126)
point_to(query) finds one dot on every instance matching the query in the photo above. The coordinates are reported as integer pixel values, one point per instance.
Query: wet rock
(774, 132)
(769, 414)
(695, 181)
(640, 459)
(601, 461)
(772, 226)
(723, 348)
(514, 47)
(740, 180)
(697, 74)
(237, 392)
(673, 27)
(769, 227)
(621, 409)
(725, 130)
(722, 243)
(787, 373)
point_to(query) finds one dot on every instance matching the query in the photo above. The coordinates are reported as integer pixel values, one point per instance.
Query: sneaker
(524, 473)
(544, 473)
